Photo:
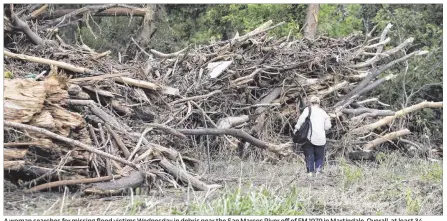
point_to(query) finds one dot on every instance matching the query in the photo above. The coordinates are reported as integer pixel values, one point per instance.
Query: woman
(314, 147)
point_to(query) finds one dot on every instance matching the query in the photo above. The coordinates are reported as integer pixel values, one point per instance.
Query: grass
(394, 185)
(254, 201)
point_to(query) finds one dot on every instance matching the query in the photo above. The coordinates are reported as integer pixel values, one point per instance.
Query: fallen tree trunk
(135, 179)
(391, 136)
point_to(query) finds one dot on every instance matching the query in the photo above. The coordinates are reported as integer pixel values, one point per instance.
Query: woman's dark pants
(314, 156)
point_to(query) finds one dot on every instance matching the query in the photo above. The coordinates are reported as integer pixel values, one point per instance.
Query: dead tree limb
(359, 111)
(347, 99)
(383, 36)
(23, 27)
(60, 64)
(69, 182)
(391, 136)
(118, 141)
(86, 80)
(236, 133)
(90, 8)
(113, 11)
(385, 54)
(182, 175)
(37, 12)
(167, 129)
(386, 120)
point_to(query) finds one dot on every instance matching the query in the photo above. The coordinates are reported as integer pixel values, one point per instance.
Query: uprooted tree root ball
(85, 118)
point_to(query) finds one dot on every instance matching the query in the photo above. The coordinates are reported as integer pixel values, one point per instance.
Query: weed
(351, 174)
(412, 204)
(251, 202)
(136, 207)
(434, 173)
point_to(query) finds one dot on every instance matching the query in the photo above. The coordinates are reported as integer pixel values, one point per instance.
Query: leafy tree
(339, 20)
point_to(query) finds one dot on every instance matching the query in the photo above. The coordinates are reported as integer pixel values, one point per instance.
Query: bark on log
(135, 179)
(76, 12)
(311, 21)
(391, 136)
(368, 128)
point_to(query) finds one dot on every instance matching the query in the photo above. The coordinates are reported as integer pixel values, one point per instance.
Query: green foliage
(423, 75)
(413, 203)
(224, 20)
(252, 202)
(339, 20)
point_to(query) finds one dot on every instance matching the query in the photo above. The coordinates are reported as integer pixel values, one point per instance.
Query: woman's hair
(314, 100)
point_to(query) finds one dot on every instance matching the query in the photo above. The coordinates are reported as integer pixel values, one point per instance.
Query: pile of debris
(81, 117)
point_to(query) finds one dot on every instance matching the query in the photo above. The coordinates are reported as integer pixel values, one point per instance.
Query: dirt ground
(343, 189)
